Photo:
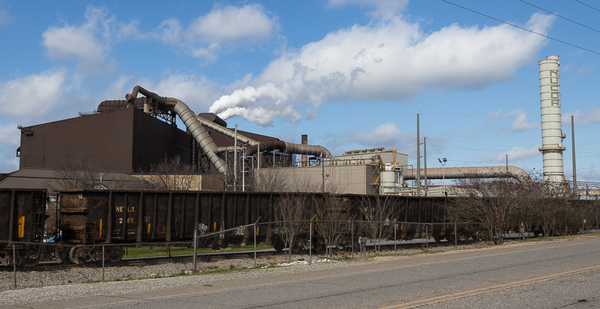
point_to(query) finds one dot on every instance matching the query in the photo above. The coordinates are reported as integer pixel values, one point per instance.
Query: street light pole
(443, 163)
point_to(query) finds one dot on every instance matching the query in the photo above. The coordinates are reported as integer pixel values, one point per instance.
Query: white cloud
(170, 31)
(197, 92)
(228, 26)
(583, 118)
(393, 60)
(5, 18)
(33, 96)
(116, 89)
(90, 43)
(521, 123)
(493, 116)
(382, 8)
(517, 153)
(384, 135)
(9, 134)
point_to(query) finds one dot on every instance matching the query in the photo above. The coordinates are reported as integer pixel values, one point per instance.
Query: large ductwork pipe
(471, 172)
(195, 126)
(189, 120)
(221, 129)
(286, 147)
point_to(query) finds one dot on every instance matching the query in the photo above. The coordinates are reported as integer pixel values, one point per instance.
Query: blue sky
(351, 74)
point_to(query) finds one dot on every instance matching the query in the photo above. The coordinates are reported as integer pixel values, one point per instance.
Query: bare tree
(81, 174)
(491, 203)
(291, 211)
(333, 221)
(172, 174)
(270, 180)
(379, 213)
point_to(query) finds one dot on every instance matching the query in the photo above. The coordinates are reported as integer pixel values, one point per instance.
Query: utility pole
(574, 166)
(418, 159)
(425, 164)
(235, 160)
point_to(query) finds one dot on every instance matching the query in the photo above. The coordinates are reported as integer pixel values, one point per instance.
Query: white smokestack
(552, 147)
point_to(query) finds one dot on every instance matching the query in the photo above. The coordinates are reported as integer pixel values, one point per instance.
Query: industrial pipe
(195, 124)
(472, 172)
(225, 131)
(286, 147)
(189, 120)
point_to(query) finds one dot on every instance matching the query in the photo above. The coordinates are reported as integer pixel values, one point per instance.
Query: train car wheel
(96, 254)
(77, 255)
(63, 254)
(278, 244)
(341, 242)
(5, 258)
(31, 257)
(115, 254)
(480, 235)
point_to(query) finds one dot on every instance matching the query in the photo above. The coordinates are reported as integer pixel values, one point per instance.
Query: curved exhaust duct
(286, 147)
(471, 172)
(190, 121)
(195, 125)
(227, 132)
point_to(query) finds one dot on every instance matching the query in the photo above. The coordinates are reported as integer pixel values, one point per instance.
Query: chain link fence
(25, 265)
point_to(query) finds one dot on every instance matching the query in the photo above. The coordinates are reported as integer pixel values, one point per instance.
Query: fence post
(426, 236)
(352, 233)
(103, 269)
(395, 225)
(15, 264)
(310, 243)
(195, 249)
(455, 237)
(254, 244)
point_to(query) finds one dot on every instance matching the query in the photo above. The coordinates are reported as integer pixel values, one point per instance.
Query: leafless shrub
(291, 212)
(81, 174)
(172, 174)
(332, 221)
(491, 203)
(379, 213)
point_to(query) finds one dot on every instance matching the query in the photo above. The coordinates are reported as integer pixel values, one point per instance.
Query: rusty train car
(90, 217)
(22, 216)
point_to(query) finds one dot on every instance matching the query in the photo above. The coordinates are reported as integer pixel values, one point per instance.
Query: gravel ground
(66, 284)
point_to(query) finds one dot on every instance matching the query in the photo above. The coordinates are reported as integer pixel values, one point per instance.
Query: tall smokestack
(552, 136)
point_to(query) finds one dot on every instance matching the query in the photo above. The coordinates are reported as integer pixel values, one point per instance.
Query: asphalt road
(558, 274)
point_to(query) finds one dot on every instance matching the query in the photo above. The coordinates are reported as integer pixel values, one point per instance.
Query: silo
(552, 136)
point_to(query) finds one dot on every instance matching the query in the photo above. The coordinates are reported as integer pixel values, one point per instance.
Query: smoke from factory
(391, 60)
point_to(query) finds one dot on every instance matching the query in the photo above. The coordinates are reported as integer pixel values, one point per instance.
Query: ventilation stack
(552, 136)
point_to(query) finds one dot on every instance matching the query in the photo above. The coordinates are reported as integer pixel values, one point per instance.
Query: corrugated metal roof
(40, 178)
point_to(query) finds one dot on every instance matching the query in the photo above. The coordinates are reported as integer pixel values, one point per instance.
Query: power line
(522, 28)
(588, 5)
(577, 23)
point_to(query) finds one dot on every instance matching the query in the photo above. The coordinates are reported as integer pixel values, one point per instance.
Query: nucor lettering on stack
(552, 136)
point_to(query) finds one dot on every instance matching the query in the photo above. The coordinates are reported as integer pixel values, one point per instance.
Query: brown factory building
(123, 140)
(120, 138)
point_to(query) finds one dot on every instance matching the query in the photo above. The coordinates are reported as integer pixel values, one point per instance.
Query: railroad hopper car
(415, 217)
(22, 216)
(91, 217)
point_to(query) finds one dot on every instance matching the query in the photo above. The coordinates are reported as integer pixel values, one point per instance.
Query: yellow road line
(489, 289)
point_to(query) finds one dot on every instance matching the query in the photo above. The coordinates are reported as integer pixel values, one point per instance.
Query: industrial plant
(134, 135)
